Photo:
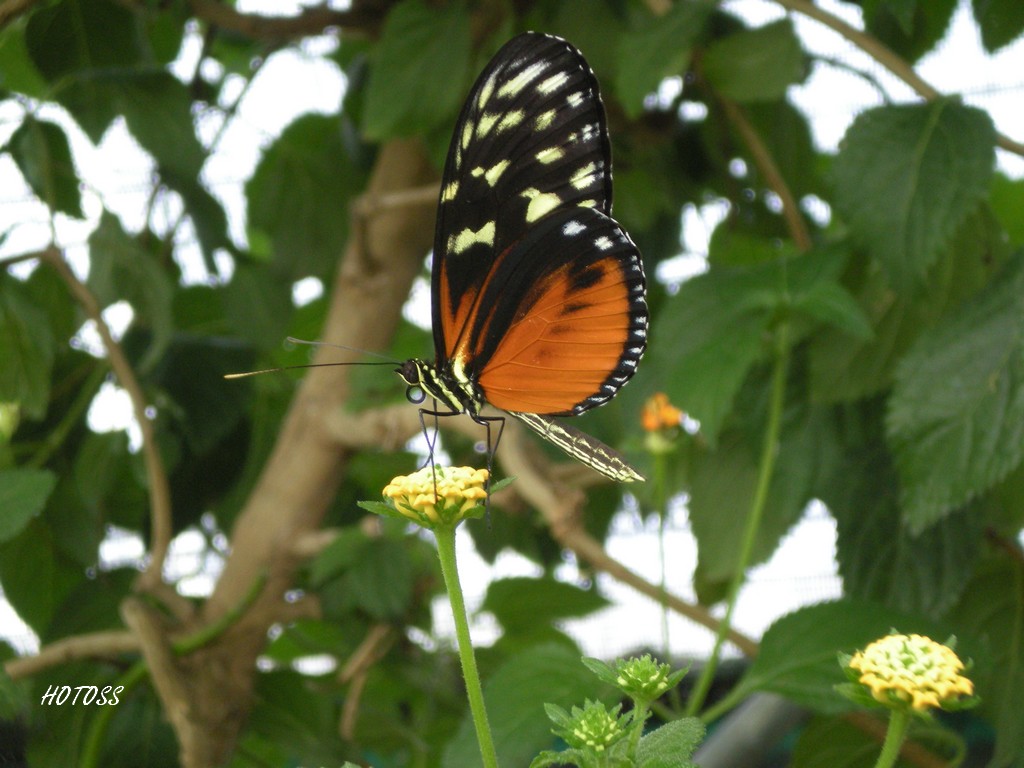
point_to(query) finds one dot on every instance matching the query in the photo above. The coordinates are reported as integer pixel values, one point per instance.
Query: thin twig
(884, 56)
(159, 491)
(10, 261)
(766, 164)
(98, 645)
(356, 671)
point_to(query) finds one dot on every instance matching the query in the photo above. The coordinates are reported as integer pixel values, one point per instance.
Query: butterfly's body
(538, 294)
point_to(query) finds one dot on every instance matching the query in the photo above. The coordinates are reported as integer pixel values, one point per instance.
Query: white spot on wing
(572, 228)
(492, 174)
(485, 93)
(544, 120)
(515, 86)
(552, 84)
(450, 191)
(468, 238)
(541, 203)
(550, 155)
(584, 177)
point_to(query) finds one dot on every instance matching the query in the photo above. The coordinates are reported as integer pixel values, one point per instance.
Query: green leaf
(520, 603)
(833, 304)
(23, 492)
(1001, 21)
(339, 555)
(258, 305)
(43, 156)
(736, 248)
(158, 109)
(76, 36)
(910, 28)
(109, 491)
(78, 45)
(26, 348)
(845, 368)
(797, 656)
(17, 72)
(992, 611)
(716, 327)
(907, 176)
(307, 162)
(15, 702)
(1007, 200)
(206, 408)
(756, 64)
(419, 69)
(381, 579)
(122, 270)
(711, 338)
(786, 132)
(836, 742)
(671, 745)
(35, 578)
(879, 559)
(655, 48)
(206, 213)
(515, 696)
(723, 487)
(307, 637)
(956, 416)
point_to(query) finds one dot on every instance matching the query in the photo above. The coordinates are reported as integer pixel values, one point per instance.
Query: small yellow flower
(911, 669)
(438, 495)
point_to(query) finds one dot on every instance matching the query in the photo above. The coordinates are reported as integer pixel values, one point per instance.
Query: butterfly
(538, 295)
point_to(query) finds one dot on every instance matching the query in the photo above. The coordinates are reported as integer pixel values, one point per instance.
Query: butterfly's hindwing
(569, 300)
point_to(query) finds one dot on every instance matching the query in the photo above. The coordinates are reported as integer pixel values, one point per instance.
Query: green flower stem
(449, 570)
(898, 722)
(769, 452)
(661, 505)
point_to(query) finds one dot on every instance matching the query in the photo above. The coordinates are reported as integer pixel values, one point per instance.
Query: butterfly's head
(414, 373)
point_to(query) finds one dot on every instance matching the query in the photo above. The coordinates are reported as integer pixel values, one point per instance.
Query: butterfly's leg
(432, 441)
(492, 441)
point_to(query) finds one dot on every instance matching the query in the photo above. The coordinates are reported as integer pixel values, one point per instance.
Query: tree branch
(159, 491)
(884, 56)
(103, 645)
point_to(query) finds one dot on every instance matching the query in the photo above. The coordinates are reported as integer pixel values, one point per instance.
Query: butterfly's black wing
(531, 140)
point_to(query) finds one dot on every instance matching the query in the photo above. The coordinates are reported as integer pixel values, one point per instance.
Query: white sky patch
(306, 290)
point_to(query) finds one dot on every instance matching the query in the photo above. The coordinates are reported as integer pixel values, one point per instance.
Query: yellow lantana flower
(438, 495)
(902, 670)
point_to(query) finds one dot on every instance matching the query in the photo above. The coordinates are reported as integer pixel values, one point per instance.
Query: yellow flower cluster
(912, 669)
(435, 494)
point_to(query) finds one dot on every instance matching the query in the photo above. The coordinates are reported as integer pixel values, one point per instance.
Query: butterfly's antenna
(383, 360)
(293, 340)
(308, 365)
